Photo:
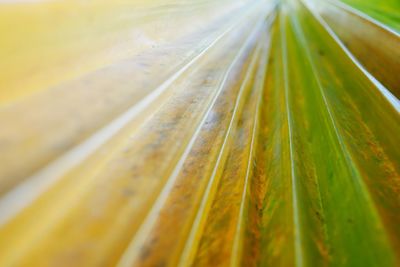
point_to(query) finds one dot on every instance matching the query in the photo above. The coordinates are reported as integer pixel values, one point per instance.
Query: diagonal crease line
(214, 178)
(298, 248)
(260, 83)
(364, 16)
(382, 89)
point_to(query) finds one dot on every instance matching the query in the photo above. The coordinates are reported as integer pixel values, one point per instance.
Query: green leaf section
(327, 175)
(386, 11)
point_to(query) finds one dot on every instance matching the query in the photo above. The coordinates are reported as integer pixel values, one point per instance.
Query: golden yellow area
(198, 133)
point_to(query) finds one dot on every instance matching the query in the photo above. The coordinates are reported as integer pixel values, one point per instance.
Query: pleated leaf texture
(199, 133)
